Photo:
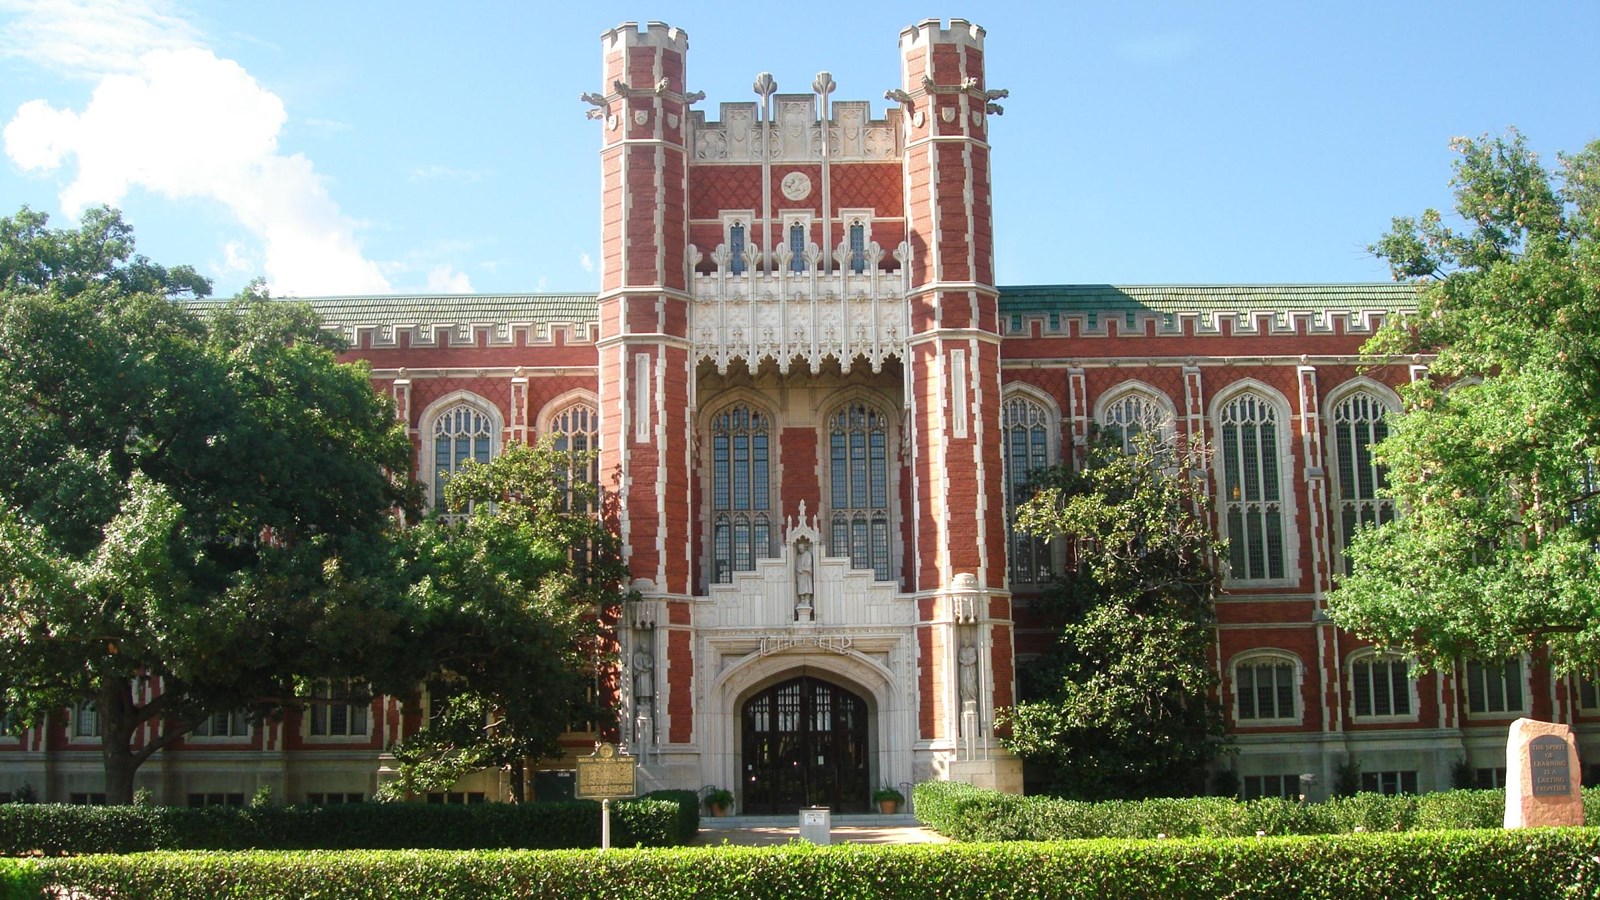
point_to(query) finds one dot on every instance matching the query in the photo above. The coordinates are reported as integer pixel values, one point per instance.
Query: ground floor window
(457, 797)
(1389, 782)
(94, 798)
(334, 799)
(1254, 787)
(197, 801)
(1488, 779)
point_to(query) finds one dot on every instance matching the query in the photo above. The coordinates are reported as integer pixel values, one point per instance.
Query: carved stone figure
(644, 677)
(969, 671)
(804, 575)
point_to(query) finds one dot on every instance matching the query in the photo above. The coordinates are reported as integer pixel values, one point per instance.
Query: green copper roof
(455, 309)
(1203, 298)
(1092, 300)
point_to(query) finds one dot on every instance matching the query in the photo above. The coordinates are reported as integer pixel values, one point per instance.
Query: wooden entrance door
(805, 744)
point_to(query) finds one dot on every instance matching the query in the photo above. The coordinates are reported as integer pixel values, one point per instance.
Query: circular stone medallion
(797, 185)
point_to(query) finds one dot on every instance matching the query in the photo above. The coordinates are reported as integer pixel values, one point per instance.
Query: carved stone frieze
(809, 316)
(795, 134)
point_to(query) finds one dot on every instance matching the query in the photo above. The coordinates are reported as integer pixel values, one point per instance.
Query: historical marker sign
(607, 775)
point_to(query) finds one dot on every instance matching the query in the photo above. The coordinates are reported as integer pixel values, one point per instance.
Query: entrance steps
(840, 820)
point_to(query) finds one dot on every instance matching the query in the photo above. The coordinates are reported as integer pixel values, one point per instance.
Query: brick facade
(862, 336)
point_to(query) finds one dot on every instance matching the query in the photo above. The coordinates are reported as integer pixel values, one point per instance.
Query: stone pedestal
(816, 825)
(1542, 775)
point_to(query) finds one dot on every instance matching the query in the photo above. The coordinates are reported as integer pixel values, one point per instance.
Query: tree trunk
(518, 775)
(118, 724)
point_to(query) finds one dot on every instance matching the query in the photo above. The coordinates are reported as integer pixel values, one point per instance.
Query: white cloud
(447, 173)
(185, 124)
(586, 261)
(446, 280)
(91, 38)
(1158, 49)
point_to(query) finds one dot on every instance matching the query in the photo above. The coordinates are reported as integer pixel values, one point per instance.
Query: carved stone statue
(644, 676)
(969, 672)
(804, 574)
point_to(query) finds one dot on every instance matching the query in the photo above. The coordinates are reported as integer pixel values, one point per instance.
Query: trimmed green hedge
(1535, 863)
(968, 813)
(56, 829)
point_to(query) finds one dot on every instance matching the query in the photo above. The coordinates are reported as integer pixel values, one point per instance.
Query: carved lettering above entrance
(840, 643)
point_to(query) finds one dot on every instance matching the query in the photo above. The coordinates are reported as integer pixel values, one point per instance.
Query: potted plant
(719, 801)
(888, 799)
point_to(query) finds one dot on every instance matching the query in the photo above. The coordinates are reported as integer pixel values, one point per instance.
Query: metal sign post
(606, 776)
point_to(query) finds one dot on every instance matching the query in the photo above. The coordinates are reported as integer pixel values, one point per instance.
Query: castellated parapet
(959, 31)
(654, 34)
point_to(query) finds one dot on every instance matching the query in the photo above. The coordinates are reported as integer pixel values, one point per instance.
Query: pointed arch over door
(804, 743)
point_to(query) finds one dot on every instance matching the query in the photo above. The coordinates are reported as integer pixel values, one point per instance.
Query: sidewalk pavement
(767, 831)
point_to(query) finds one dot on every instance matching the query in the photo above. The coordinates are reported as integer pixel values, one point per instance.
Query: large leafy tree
(193, 510)
(1125, 706)
(1495, 463)
(509, 603)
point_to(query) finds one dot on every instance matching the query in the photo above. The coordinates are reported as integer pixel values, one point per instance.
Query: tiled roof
(1204, 298)
(451, 309)
(1090, 299)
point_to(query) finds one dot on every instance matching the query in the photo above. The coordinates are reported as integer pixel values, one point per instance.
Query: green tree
(1125, 706)
(1493, 464)
(198, 503)
(508, 609)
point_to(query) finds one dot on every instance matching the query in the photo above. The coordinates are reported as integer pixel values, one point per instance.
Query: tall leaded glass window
(575, 431)
(460, 433)
(858, 247)
(736, 241)
(797, 247)
(1252, 488)
(1026, 435)
(1130, 415)
(1358, 423)
(741, 531)
(858, 456)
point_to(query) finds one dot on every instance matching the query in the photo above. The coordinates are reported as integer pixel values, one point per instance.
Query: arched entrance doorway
(805, 744)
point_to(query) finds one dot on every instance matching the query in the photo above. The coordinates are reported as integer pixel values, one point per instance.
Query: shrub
(20, 880)
(968, 813)
(1532, 863)
(55, 829)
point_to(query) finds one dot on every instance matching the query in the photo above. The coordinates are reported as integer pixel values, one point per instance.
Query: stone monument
(1542, 775)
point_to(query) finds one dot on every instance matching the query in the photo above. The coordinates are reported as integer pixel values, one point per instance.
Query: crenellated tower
(953, 374)
(646, 439)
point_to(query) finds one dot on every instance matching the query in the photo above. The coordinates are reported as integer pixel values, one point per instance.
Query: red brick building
(813, 402)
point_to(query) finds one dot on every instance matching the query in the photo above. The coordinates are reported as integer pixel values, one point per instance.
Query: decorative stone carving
(796, 185)
(641, 116)
(811, 315)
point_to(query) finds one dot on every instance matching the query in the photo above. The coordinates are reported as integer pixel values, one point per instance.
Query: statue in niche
(644, 679)
(968, 658)
(804, 574)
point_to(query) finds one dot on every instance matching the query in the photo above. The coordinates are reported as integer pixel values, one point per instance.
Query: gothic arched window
(858, 456)
(461, 433)
(1025, 432)
(1252, 488)
(797, 247)
(1131, 414)
(741, 530)
(1358, 423)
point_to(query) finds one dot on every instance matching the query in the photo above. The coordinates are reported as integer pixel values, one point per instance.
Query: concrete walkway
(767, 831)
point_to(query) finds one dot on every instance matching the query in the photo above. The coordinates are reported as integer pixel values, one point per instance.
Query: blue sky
(391, 146)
